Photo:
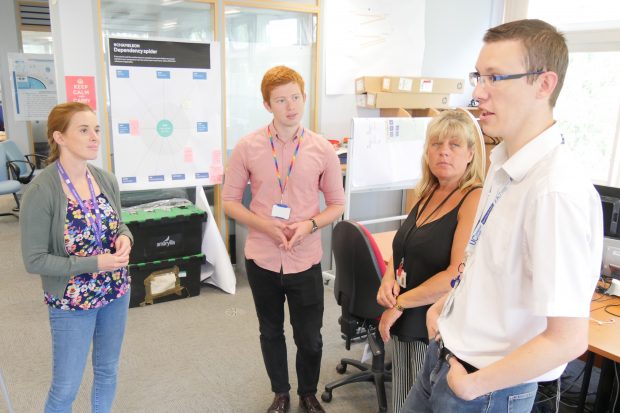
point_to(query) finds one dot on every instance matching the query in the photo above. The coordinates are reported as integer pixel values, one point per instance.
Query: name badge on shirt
(281, 211)
(401, 275)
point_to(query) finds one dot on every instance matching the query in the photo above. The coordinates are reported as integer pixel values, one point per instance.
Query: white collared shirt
(539, 254)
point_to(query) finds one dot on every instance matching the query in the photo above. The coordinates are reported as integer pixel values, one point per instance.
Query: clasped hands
(120, 258)
(287, 235)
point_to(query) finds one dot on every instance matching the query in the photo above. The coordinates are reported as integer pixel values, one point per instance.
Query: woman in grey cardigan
(73, 236)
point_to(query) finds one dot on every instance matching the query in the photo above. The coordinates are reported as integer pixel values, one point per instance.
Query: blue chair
(7, 184)
(21, 167)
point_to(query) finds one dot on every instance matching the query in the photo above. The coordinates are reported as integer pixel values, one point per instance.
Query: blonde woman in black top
(430, 245)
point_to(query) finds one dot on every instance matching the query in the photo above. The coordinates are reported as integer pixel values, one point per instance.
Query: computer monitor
(610, 198)
(611, 257)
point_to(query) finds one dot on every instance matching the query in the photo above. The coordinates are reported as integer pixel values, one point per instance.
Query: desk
(603, 340)
(384, 242)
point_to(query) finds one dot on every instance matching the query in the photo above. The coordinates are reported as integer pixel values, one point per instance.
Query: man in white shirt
(520, 310)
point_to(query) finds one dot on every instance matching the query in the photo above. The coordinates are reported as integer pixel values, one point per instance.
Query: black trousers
(304, 293)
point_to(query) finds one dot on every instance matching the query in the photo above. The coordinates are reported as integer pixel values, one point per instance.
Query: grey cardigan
(42, 221)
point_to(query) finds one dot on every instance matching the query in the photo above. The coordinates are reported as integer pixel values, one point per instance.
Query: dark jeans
(304, 292)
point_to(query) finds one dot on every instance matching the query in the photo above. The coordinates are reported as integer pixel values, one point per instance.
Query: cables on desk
(608, 306)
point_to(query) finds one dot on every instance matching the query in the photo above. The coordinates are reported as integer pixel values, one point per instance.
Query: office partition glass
(167, 19)
(256, 40)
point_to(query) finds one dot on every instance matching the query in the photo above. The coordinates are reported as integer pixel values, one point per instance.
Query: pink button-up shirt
(316, 168)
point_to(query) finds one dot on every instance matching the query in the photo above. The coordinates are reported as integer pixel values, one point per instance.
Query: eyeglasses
(475, 77)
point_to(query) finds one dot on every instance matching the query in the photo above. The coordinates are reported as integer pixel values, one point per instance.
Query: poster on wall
(166, 113)
(81, 89)
(33, 85)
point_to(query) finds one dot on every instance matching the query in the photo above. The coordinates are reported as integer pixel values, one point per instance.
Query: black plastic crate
(189, 275)
(165, 233)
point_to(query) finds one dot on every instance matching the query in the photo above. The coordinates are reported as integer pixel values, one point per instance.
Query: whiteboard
(385, 153)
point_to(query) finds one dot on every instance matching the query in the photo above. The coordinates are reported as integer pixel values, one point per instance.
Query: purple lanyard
(95, 222)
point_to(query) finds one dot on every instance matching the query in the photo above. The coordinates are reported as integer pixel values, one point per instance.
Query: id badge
(281, 211)
(401, 277)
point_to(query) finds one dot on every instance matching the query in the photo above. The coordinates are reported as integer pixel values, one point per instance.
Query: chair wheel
(341, 368)
(326, 396)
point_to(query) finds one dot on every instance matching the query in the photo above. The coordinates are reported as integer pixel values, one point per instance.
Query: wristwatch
(399, 307)
(314, 226)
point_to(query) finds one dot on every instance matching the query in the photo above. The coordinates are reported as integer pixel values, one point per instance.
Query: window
(182, 20)
(588, 109)
(37, 42)
(256, 40)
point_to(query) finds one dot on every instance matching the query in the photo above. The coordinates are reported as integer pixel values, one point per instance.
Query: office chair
(359, 268)
(7, 184)
(21, 167)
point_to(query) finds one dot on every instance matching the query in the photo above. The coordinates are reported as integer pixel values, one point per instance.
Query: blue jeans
(431, 392)
(72, 334)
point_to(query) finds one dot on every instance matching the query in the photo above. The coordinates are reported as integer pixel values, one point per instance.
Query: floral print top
(90, 290)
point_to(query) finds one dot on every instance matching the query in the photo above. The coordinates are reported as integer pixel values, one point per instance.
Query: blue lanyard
(483, 220)
(95, 222)
(475, 236)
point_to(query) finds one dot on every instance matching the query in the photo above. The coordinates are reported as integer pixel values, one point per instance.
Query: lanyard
(95, 222)
(416, 227)
(475, 236)
(275, 160)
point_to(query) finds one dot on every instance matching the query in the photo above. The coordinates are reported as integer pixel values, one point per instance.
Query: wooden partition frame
(219, 34)
(314, 104)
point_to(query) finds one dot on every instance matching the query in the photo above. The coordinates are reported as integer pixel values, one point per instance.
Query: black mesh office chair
(358, 277)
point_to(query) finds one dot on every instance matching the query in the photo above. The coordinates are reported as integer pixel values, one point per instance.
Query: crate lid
(162, 213)
(177, 260)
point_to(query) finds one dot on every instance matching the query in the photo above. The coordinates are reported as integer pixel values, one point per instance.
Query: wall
(453, 37)
(77, 52)
(9, 43)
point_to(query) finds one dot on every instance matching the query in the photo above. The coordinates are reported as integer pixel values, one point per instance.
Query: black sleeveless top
(427, 252)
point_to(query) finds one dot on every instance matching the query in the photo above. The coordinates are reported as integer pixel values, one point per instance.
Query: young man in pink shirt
(287, 166)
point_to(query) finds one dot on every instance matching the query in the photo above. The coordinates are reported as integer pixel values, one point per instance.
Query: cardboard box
(408, 113)
(422, 85)
(368, 84)
(403, 100)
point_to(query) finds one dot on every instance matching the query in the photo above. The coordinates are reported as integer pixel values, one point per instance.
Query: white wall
(77, 52)
(453, 37)
(17, 131)
(454, 32)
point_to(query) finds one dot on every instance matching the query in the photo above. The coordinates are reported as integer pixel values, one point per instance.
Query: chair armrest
(14, 170)
(37, 159)
(376, 347)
